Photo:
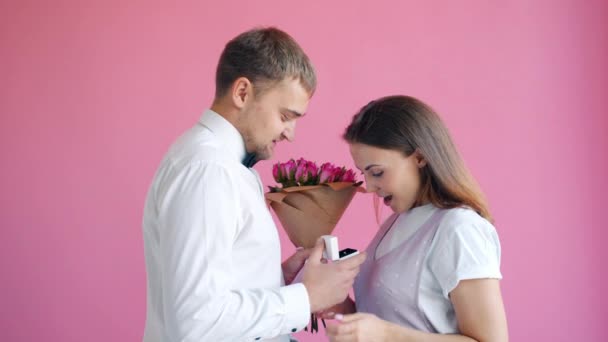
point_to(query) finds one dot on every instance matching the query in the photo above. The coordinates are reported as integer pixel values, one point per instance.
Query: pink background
(92, 95)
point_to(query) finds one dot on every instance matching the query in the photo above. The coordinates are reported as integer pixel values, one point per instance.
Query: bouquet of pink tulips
(311, 200)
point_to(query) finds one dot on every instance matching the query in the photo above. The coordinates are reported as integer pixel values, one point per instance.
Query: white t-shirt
(466, 246)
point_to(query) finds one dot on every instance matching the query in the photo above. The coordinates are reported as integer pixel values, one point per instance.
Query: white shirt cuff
(297, 308)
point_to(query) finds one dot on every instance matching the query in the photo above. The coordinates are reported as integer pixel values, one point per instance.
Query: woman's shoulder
(464, 216)
(464, 222)
(465, 246)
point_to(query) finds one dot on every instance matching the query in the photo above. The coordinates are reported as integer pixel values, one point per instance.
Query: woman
(432, 271)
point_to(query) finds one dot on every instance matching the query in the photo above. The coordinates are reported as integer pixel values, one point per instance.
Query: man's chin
(264, 155)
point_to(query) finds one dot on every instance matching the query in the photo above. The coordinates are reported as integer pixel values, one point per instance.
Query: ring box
(333, 253)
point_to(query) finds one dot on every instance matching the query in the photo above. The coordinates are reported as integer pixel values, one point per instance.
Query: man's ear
(241, 92)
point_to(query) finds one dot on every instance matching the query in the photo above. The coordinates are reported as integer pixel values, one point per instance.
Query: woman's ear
(420, 160)
(241, 91)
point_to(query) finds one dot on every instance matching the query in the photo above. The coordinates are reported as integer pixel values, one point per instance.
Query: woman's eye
(377, 174)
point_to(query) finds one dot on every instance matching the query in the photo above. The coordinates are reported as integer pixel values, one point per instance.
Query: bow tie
(249, 160)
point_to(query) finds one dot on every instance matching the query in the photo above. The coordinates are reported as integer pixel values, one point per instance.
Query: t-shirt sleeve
(466, 250)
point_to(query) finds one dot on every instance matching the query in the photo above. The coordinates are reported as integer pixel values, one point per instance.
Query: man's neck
(229, 113)
(223, 109)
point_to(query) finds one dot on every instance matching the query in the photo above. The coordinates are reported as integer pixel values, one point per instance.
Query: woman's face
(391, 174)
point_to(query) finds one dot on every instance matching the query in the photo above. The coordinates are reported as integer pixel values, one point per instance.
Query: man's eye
(377, 174)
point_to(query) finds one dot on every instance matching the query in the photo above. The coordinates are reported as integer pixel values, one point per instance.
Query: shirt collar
(230, 137)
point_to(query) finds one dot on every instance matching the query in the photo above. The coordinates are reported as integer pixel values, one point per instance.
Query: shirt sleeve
(468, 250)
(198, 224)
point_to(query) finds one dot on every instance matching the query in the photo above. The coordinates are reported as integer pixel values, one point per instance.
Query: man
(212, 250)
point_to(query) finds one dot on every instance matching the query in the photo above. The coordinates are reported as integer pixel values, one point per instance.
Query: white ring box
(331, 252)
(331, 247)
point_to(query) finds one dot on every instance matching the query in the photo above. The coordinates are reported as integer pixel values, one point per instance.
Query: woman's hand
(361, 327)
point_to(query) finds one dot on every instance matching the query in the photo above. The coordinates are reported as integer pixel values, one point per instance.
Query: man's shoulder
(198, 147)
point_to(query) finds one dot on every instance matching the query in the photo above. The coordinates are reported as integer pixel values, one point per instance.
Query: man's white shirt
(212, 251)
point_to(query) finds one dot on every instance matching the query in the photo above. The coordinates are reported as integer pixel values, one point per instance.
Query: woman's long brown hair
(406, 124)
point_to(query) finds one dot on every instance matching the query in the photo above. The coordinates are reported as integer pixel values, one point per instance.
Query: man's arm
(198, 221)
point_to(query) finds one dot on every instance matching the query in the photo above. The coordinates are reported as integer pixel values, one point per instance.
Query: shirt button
(294, 330)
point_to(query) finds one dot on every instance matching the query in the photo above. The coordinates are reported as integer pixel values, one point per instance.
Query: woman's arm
(479, 312)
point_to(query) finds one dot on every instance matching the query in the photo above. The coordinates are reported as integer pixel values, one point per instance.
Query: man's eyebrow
(293, 112)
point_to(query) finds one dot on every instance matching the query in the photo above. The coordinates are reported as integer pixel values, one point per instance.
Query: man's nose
(290, 131)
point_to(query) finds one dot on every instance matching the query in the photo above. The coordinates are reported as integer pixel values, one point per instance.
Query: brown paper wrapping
(307, 212)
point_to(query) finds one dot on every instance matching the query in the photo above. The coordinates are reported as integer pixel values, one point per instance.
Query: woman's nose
(370, 187)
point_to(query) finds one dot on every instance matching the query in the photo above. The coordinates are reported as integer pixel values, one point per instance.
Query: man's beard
(263, 152)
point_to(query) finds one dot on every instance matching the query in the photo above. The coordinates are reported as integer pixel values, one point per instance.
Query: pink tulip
(326, 173)
(301, 172)
(349, 176)
(276, 172)
(338, 173)
(313, 170)
(290, 171)
(306, 172)
(284, 174)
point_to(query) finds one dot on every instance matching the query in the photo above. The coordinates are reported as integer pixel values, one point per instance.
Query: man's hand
(329, 283)
(294, 263)
(346, 307)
